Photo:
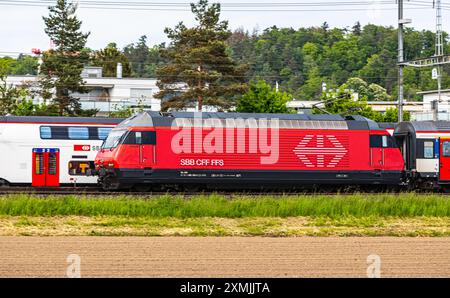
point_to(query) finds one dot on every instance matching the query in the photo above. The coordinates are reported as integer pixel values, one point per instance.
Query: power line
(244, 7)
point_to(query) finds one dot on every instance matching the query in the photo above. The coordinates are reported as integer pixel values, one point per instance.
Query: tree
(356, 29)
(377, 93)
(25, 65)
(357, 85)
(199, 69)
(372, 92)
(108, 58)
(9, 95)
(138, 55)
(261, 98)
(62, 66)
(342, 102)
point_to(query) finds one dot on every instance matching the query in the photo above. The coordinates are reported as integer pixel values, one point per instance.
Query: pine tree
(62, 66)
(199, 69)
(138, 54)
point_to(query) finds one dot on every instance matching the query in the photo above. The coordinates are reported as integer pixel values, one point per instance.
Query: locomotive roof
(157, 119)
(57, 119)
(414, 126)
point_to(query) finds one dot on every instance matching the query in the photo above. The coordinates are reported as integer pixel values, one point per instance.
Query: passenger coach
(49, 151)
(216, 149)
(425, 146)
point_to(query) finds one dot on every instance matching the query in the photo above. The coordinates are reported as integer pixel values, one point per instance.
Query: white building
(105, 94)
(433, 108)
(380, 106)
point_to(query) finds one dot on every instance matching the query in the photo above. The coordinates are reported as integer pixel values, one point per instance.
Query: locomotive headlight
(111, 165)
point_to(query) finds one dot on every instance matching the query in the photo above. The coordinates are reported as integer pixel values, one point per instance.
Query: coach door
(45, 167)
(147, 141)
(444, 160)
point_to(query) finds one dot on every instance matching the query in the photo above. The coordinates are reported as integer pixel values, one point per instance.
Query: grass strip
(214, 226)
(338, 206)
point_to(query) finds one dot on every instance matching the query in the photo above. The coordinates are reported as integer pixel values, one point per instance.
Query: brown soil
(224, 256)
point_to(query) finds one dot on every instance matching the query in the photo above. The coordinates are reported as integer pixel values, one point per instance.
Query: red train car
(243, 150)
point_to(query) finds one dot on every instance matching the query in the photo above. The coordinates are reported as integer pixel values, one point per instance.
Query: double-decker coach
(243, 150)
(50, 151)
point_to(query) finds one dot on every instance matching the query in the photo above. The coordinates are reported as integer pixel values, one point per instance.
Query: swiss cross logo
(320, 151)
(82, 147)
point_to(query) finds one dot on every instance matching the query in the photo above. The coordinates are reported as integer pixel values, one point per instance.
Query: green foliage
(198, 58)
(143, 59)
(23, 65)
(62, 66)
(343, 102)
(121, 112)
(108, 58)
(28, 108)
(300, 60)
(261, 98)
(10, 96)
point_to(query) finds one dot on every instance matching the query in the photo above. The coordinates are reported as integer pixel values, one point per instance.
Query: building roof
(434, 91)
(56, 119)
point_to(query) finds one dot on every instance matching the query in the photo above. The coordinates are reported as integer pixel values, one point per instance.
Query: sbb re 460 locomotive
(185, 149)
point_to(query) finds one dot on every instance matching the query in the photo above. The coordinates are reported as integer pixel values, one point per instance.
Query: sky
(22, 27)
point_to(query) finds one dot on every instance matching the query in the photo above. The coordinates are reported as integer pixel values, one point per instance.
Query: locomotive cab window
(113, 139)
(141, 138)
(446, 149)
(381, 141)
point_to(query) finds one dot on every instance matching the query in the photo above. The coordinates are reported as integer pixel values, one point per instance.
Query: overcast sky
(22, 27)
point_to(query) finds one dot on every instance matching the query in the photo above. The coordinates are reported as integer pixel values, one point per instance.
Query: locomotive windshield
(113, 139)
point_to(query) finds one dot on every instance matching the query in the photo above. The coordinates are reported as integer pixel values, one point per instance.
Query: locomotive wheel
(107, 185)
(191, 188)
(142, 187)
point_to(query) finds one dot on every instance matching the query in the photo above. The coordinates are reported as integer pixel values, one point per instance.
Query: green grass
(356, 205)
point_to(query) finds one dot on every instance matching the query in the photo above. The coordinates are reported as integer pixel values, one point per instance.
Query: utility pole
(401, 58)
(439, 52)
(437, 60)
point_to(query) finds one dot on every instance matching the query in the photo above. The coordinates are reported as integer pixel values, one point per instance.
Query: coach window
(428, 150)
(79, 168)
(46, 132)
(446, 148)
(103, 132)
(78, 133)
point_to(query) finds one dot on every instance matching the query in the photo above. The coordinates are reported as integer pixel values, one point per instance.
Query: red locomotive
(179, 149)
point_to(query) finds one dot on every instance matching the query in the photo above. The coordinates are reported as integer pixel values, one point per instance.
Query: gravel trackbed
(224, 256)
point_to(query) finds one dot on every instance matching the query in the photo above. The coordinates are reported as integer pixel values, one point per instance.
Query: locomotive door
(147, 147)
(376, 152)
(45, 167)
(444, 160)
